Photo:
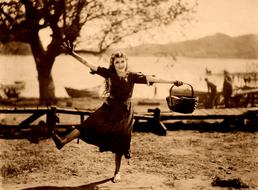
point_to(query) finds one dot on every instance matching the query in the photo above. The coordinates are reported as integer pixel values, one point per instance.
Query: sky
(231, 17)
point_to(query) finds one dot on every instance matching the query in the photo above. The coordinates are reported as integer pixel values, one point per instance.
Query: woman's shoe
(57, 141)
(116, 178)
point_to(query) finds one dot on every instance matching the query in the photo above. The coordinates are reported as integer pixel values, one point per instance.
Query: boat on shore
(79, 93)
(149, 102)
(12, 90)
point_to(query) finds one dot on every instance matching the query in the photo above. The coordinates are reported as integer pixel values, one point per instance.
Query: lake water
(67, 72)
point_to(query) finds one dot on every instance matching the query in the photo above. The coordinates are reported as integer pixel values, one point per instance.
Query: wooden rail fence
(156, 119)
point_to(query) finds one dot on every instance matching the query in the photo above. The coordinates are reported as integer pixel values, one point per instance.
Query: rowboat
(12, 90)
(87, 92)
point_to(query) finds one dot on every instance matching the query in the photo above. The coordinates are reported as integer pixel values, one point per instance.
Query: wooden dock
(155, 119)
(204, 114)
(233, 116)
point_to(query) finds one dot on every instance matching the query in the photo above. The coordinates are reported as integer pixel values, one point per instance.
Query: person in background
(212, 92)
(110, 126)
(227, 88)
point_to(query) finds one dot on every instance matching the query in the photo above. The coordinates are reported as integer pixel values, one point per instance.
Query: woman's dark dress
(110, 126)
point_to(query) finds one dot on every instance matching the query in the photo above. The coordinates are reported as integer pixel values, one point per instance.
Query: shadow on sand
(90, 186)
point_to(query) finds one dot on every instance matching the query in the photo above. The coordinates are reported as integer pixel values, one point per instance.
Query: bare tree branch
(105, 22)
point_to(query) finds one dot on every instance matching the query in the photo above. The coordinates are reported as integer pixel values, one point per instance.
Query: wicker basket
(182, 104)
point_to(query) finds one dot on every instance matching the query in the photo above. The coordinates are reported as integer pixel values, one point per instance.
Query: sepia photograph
(128, 94)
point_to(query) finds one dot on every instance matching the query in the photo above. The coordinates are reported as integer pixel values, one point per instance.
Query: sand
(183, 159)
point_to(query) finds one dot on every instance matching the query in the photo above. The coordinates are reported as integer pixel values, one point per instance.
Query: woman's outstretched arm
(69, 49)
(152, 79)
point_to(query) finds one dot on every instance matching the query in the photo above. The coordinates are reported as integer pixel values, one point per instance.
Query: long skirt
(109, 128)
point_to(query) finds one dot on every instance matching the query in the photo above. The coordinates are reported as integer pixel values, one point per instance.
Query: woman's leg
(117, 177)
(60, 142)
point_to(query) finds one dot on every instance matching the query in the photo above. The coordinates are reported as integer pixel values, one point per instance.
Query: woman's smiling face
(120, 64)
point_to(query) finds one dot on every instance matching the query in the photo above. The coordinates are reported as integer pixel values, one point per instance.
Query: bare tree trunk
(44, 63)
(46, 86)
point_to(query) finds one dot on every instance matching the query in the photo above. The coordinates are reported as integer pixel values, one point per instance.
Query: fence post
(158, 127)
(51, 119)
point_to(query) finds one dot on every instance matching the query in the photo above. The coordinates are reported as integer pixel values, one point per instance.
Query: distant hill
(215, 46)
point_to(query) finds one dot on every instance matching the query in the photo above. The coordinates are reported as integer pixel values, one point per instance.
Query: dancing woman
(110, 126)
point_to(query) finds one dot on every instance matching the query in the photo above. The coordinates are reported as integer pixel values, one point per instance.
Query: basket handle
(170, 92)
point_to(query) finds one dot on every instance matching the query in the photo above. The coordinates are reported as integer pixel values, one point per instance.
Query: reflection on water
(69, 72)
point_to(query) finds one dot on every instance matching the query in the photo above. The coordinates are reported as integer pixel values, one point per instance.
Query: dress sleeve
(139, 78)
(104, 72)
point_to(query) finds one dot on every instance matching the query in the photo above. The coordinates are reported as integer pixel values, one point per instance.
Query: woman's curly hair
(112, 68)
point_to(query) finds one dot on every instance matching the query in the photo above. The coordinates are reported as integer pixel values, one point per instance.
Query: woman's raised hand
(68, 47)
